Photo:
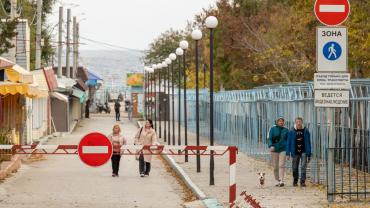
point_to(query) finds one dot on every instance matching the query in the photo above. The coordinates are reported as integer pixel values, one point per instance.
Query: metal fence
(351, 175)
(243, 118)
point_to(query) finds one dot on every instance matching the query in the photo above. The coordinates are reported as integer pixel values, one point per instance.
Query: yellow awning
(20, 88)
(16, 73)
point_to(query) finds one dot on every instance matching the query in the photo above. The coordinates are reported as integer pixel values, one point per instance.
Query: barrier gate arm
(140, 149)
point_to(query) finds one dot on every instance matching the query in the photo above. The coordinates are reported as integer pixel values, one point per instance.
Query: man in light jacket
(299, 148)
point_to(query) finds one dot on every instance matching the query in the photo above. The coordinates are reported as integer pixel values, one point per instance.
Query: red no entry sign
(95, 149)
(332, 12)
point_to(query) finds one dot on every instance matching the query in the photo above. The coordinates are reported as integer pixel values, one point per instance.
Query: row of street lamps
(167, 68)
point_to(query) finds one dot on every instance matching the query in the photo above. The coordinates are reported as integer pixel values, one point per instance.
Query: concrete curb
(185, 178)
(208, 202)
(10, 167)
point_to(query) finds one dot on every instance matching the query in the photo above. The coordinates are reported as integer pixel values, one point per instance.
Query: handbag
(137, 156)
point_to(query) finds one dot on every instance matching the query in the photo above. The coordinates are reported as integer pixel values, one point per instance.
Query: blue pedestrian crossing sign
(332, 51)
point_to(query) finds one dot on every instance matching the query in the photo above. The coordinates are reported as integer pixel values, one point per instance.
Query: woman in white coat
(146, 136)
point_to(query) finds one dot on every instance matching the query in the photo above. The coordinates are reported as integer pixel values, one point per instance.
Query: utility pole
(38, 35)
(77, 47)
(13, 15)
(60, 45)
(74, 47)
(68, 43)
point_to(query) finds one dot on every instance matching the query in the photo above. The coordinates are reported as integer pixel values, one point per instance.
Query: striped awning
(28, 90)
(16, 73)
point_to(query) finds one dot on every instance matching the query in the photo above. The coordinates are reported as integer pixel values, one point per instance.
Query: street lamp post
(211, 24)
(145, 92)
(179, 52)
(164, 66)
(154, 67)
(165, 101)
(184, 46)
(197, 35)
(168, 111)
(159, 99)
(173, 58)
(156, 109)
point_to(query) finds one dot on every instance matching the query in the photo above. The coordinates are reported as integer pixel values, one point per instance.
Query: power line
(109, 44)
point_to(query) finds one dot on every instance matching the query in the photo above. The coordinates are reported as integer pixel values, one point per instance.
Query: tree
(27, 10)
(7, 33)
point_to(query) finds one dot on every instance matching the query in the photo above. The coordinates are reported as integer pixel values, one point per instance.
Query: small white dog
(261, 177)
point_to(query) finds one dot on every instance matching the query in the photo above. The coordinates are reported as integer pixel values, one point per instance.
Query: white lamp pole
(179, 52)
(173, 58)
(197, 35)
(211, 24)
(184, 45)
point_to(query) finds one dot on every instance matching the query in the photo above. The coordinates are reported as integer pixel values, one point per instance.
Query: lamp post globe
(179, 52)
(211, 22)
(196, 34)
(172, 56)
(184, 44)
(168, 61)
(164, 64)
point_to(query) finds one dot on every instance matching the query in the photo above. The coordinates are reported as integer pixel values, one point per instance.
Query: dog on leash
(261, 178)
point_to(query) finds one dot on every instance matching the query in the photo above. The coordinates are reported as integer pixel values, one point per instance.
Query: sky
(129, 23)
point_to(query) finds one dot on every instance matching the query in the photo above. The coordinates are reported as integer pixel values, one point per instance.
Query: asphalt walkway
(64, 181)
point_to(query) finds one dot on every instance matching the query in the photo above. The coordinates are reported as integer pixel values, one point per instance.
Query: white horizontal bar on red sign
(332, 8)
(94, 149)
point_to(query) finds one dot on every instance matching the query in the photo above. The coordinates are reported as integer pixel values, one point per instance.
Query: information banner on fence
(334, 81)
(332, 98)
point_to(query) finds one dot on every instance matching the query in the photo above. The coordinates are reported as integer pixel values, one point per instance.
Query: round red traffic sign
(332, 12)
(95, 149)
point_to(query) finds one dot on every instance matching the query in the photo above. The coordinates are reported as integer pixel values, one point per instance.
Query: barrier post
(232, 179)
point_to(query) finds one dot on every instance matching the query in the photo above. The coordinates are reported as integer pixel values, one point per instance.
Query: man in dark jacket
(87, 109)
(117, 110)
(277, 143)
(299, 148)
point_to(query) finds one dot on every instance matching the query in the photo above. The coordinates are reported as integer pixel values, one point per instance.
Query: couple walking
(145, 136)
(286, 144)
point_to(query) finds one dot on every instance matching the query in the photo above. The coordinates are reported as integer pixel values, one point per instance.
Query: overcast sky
(129, 23)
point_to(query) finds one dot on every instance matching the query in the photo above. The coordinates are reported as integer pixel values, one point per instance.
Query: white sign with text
(332, 98)
(334, 81)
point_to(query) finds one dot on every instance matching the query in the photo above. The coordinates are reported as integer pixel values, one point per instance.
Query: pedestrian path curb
(189, 183)
(209, 203)
(9, 167)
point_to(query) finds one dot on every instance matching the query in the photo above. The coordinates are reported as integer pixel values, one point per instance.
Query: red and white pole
(232, 180)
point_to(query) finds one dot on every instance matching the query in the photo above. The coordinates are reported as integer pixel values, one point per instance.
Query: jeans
(144, 167)
(278, 163)
(295, 166)
(129, 115)
(115, 163)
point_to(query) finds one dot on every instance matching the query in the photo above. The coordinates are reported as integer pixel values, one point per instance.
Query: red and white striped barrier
(135, 150)
(125, 149)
